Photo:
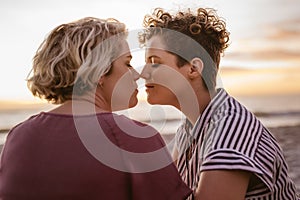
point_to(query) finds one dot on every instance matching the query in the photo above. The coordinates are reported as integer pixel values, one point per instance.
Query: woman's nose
(135, 74)
(146, 72)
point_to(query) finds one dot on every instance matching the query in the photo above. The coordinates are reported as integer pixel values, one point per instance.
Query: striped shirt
(227, 136)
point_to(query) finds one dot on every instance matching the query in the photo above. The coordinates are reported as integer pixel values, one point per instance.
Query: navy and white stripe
(227, 136)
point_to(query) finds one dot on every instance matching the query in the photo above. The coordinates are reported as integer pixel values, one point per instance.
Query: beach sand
(288, 138)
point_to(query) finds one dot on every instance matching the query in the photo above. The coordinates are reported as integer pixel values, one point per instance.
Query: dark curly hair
(203, 26)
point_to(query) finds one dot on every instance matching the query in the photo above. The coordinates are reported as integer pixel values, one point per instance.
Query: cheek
(164, 91)
(120, 83)
(168, 77)
(126, 83)
(133, 100)
(161, 95)
(124, 94)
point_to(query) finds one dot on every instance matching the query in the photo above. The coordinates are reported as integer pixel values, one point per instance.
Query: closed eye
(155, 65)
(129, 65)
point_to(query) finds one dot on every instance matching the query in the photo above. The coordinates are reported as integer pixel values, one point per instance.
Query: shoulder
(231, 107)
(28, 125)
(234, 116)
(132, 135)
(233, 126)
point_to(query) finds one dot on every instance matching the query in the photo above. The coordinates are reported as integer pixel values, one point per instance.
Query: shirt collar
(204, 117)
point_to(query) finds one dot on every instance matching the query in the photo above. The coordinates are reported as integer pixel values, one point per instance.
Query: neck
(88, 106)
(81, 105)
(194, 107)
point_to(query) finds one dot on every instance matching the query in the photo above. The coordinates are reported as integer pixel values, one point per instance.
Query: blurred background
(260, 68)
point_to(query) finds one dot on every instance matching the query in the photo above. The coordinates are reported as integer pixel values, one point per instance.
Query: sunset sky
(263, 58)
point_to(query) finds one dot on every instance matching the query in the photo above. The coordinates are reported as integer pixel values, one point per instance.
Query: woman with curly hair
(81, 149)
(222, 150)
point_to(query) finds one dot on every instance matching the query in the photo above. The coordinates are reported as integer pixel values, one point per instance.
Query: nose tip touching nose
(146, 72)
(135, 74)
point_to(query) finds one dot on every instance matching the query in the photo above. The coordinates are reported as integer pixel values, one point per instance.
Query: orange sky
(238, 81)
(263, 57)
(264, 64)
(265, 81)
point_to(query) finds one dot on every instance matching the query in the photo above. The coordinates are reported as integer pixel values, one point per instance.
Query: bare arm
(222, 184)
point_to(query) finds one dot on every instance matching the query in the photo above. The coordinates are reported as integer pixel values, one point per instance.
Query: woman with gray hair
(81, 149)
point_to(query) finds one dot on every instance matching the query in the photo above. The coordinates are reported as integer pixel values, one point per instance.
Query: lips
(149, 86)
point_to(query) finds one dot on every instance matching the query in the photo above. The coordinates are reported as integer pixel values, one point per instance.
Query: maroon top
(54, 156)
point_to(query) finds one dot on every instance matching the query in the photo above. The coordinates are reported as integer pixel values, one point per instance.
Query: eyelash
(155, 65)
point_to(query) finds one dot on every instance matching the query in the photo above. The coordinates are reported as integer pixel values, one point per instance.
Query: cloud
(279, 44)
(267, 81)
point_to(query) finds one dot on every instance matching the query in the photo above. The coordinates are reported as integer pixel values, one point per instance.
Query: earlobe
(196, 67)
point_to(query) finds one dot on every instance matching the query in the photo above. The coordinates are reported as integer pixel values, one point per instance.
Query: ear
(196, 68)
(101, 81)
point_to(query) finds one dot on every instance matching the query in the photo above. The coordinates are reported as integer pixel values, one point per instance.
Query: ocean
(273, 111)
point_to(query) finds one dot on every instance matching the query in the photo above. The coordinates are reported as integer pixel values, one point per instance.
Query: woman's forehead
(155, 42)
(124, 49)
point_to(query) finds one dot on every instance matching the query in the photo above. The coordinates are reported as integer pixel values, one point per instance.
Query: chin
(159, 101)
(150, 102)
(153, 101)
(133, 102)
